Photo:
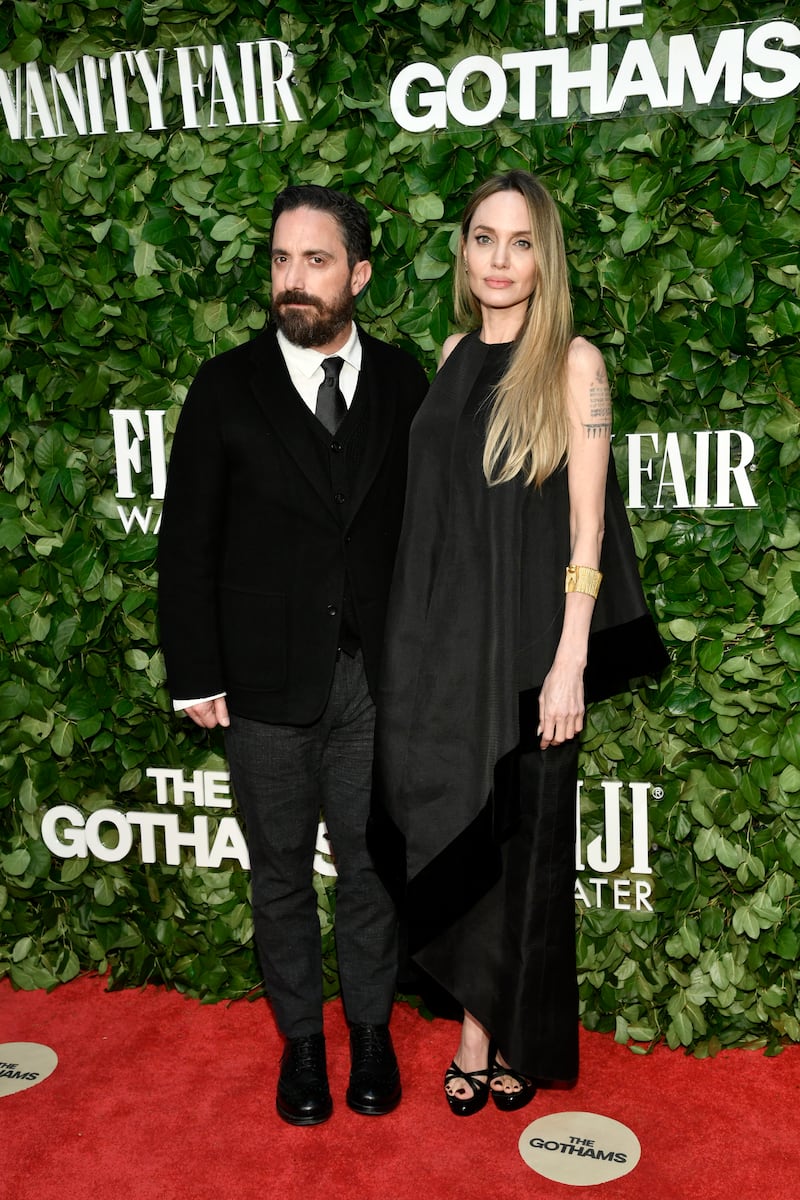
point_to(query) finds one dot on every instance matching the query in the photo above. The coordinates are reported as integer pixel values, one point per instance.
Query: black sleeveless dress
(476, 843)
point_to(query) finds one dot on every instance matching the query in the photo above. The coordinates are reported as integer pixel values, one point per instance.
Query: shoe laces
(370, 1041)
(307, 1053)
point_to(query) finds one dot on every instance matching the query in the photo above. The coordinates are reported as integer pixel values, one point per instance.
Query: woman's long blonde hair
(528, 427)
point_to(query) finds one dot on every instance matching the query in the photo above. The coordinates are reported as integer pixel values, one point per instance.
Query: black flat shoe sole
(374, 1110)
(294, 1119)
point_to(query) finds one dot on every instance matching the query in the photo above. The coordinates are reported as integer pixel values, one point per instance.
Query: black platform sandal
(477, 1080)
(511, 1101)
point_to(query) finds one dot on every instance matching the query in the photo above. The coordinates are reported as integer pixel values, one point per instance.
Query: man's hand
(210, 713)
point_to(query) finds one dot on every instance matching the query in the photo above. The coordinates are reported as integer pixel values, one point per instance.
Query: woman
(498, 629)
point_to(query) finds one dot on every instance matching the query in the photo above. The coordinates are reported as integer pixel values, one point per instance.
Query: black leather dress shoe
(303, 1095)
(374, 1075)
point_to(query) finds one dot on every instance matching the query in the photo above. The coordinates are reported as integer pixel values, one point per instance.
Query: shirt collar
(305, 360)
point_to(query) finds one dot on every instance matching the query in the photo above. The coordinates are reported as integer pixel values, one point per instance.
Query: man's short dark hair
(349, 214)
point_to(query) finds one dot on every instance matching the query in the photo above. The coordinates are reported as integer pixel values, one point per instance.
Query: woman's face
(498, 253)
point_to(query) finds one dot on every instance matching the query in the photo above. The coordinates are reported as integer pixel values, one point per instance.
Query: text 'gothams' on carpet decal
(579, 1148)
(23, 1065)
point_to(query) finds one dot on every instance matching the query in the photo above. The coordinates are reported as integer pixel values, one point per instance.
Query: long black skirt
(510, 959)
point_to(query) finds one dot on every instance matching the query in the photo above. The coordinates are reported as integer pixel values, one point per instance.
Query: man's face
(313, 288)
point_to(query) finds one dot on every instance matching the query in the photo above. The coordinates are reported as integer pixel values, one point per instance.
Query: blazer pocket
(254, 640)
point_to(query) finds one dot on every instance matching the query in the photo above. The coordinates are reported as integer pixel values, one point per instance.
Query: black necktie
(331, 407)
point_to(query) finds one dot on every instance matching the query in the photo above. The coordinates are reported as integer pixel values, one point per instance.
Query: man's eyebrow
(304, 253)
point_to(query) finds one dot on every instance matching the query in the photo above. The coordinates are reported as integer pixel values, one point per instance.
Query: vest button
(340, 497)
(336, 447)
(332, 609)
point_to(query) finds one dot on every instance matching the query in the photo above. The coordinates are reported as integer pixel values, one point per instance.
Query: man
(280, 523)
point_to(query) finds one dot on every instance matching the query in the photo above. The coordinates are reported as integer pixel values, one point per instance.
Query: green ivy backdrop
(127, 259)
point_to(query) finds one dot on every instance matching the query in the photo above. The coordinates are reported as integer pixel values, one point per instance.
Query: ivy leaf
(789, 742)
(26, 48)
(159, 232)
(705, 845)
(104, 891)
(774, 121)
(64, 633)
(62, 739)
(229, 227)
(50, 450)
(757, 162)
(782, 599)
(732, 280)
(435, 15)
(16, 863)
(14, 700)
(12, 533)
(29, 976)
(787, 317)
(426, 208)
(636, 233)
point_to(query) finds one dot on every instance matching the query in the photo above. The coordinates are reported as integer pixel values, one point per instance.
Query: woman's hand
(561, 704)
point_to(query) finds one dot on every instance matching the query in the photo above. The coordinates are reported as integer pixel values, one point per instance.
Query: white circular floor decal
(579, 1148)
(23, 1065)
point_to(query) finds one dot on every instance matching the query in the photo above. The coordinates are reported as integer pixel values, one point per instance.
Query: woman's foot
(466, 1082)
(467, 1091)
(510, 1090)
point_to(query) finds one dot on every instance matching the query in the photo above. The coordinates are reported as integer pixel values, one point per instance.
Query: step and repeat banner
(141, 147)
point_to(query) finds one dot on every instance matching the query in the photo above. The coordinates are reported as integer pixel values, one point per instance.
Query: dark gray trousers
(283, 775)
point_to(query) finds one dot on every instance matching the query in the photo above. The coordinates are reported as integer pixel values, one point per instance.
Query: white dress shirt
(305, 367)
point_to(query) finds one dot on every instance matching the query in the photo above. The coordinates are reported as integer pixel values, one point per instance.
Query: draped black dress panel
(473, 824)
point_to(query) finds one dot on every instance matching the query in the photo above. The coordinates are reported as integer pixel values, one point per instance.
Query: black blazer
(253, 550)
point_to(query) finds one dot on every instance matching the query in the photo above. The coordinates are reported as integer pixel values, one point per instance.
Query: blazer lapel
(380, 396)
(283, 409)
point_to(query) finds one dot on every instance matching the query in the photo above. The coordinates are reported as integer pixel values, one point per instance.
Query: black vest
(342, 455)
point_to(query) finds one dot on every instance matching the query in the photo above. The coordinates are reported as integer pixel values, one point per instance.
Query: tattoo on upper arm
(599, 423)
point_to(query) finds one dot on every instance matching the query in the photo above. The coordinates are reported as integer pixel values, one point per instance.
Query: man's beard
(316, 325)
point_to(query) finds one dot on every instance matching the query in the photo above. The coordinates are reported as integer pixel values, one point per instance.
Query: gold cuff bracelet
(583, 579)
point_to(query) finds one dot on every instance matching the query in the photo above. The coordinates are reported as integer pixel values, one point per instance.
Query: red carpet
(157, 1097)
